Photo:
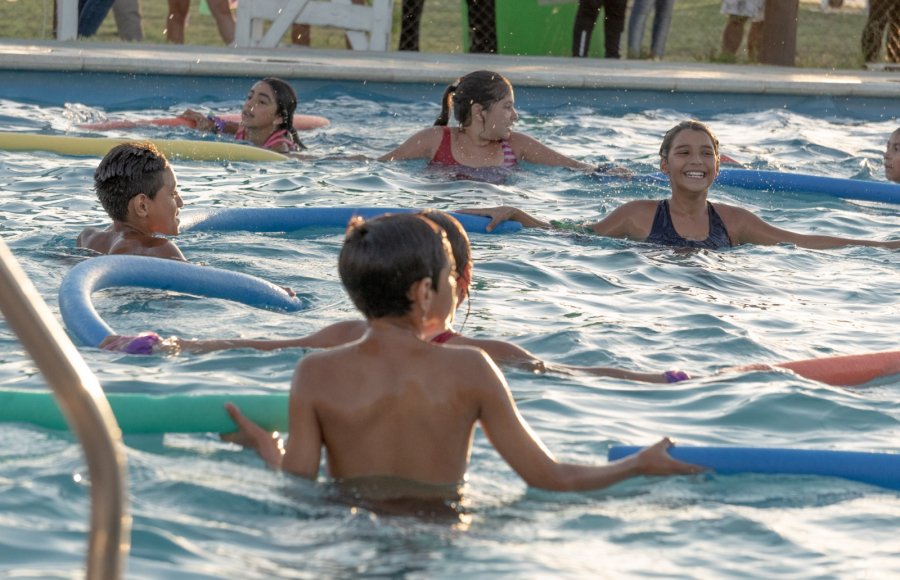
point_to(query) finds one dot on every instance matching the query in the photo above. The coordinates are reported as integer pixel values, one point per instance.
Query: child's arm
(333, 335)
(523, 450)
(507, 353)
(422, 145)
(533, 151)
(303, 452)
(214, 124)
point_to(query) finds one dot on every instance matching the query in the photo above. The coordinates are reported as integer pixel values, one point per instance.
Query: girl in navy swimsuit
(689, 155)
(483, 104)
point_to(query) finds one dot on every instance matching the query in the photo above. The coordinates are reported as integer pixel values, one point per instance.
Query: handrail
(83, 403)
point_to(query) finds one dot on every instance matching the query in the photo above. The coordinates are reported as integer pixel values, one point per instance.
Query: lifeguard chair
(368, 27)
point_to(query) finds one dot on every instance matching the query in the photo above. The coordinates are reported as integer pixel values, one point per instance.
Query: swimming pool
(205, 510)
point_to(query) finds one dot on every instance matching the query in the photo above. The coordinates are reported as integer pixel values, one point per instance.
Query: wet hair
(128, 170)
(382, 258)
(456, 235)
(481, 87)
(285, 105)
(682, 126)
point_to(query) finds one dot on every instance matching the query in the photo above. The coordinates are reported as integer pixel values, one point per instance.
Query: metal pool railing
(83, 403)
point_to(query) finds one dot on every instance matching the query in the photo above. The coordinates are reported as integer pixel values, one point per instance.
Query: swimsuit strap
(444, 154)
(274, 139)
(664, 233)
(277, 138)
(509, 157)
(443, 337)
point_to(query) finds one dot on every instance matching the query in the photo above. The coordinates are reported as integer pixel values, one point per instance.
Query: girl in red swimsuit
(267, 118)
(484, 106)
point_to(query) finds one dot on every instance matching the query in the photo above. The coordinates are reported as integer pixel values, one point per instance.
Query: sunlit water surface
(205, 509)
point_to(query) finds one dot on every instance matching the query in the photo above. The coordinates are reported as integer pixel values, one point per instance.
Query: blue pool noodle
(797, 182)
(101, 272)
(881, 469)
(289, 219)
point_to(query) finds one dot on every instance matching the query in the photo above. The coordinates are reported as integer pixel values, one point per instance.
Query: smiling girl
(483, 104)
(267, 118)
(689, 155)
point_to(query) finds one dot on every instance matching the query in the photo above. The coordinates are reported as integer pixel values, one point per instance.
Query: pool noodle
(289, 219)
(81, 318)
(171, 148)
(141, 413)
(777, 181)
(881, 469)
(301, 122)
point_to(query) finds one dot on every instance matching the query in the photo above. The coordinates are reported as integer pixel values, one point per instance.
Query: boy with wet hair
(394, 410)
(137, 188)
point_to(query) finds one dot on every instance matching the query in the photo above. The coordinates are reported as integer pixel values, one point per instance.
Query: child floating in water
(138, 189)
(392, 405)
(483, 104)
(892, 158)
(267, 118)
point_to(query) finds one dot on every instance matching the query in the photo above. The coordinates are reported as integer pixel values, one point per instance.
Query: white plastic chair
(368, 27)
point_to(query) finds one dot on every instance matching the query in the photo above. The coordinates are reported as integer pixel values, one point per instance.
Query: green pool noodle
(140, 413)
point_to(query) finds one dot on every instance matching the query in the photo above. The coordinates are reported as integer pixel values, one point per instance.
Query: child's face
(892, 158)
(444, 302)
(260, 107)
(692, 164)
(498, 121)
(162, 213)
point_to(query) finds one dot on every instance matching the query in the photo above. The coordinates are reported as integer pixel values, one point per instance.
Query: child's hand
(201, 122)
(287, 289)
(250, 435)
(505, 213)
(655, 460)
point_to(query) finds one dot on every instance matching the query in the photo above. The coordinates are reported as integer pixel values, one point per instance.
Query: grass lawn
(824, 39)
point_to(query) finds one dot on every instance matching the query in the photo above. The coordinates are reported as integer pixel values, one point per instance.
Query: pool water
(205, 509)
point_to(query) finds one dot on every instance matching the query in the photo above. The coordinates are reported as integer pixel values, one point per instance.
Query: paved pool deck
(412, 67)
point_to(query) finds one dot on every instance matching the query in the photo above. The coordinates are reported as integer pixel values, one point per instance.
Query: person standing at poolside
(882, 13)
(613, 25)
(662, 19)
(689, 155)
(739, 12)
(178, 13)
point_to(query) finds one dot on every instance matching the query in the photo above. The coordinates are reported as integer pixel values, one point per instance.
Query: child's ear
(139, 205)
(420, 294)
(663, 166)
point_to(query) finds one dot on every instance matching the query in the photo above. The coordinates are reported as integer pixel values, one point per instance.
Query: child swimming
(436, 331)
(267, 118)
(138, 189)
(483, 104)
(892, 158)
(689, 155)
(392, 405)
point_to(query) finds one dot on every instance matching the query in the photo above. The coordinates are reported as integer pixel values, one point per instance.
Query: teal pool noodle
(881, 469)
(139, 413)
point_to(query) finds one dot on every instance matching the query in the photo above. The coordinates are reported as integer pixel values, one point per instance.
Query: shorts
(755, 9)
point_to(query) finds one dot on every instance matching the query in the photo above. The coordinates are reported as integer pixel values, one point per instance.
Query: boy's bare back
(118, 240)
(389, 404)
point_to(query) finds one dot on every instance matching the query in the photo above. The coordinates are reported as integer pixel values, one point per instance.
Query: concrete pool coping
(413, 67)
